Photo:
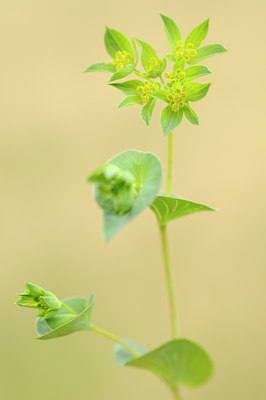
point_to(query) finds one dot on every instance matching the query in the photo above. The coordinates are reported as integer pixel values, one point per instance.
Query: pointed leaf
(65, 323)
(172, 32)
(179, 64)
(147, 111)
(170, 119)
(147, 171)
(206, 52)
(130, 101)
(179, 362)
(128, 87)
(190, 115)
(136, 52)
(195, 91)
(147, 54)
(101, 67)
(122, 73)
(122, 356)
(198, 34)
(168, 208)
(116, 41)
(195, 72)
(161, 95)
(171, 57)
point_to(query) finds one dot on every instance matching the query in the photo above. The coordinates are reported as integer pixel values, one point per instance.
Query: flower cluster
(176, 101)
(36, 297)
(153, 66)
(186, 51)
(175, 76)
(146, 91)
(121, 60)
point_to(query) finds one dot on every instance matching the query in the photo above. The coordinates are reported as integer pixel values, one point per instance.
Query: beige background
(57, 126)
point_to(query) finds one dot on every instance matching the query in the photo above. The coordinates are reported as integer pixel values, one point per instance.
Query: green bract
(36, 297)
(178, 90)
(133, 182)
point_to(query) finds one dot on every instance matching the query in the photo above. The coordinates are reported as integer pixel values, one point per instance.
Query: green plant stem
(161, 79)
(177, 395)
(115, 339)
(169, 282)
(170, 163)
(69, 309)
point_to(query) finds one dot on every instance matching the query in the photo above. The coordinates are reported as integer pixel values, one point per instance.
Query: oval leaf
(196, 91)
(198, 34)
(128, 87)
(190, 115)
(122, 73)
(147, 111)
(172, 32)
(168, 208)
(179, 362)
(170, 119)
(147, 171)
(206, 52)
(101, 67)
(130, 101)
(115, 41)
(65, 323)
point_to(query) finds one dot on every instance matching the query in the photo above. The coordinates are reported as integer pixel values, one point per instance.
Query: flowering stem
(177, 395)
(170, 163)
(115, 339)
(169, 282)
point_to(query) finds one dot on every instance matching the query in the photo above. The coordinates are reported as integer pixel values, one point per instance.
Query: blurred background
(57, 126)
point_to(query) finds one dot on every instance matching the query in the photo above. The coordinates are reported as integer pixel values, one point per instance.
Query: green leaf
(136, 53)
(171, 57)
(195, 72)
(161, 95)
(170, 119)
(147, 54)
(168, 208)
(172, 32)
(195, 91)
(179, 362)
(65, 323)
(198, 34)
(128, 87)
(147, 171)
(180, 63)
(190, 115)
(147, 111)
(130, 101)
(206, 52)
(122, 73)
(101, 67)
(115, 41)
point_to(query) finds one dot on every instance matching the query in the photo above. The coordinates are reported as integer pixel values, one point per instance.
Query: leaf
(147, 171)
(171, 57)
(136, 52)
(195, 91)
(122, 73)
(122, 356)
(170, 119)
(195, 72)
(130, 101)
(168, 208)
(198, 34)
(147, 53)
(128, 87)
(190, 115)
(147, 111)
(172, 32)
(180, 63)
(101, 67)
(115, 41)
(178, 362)
(161, 95)
(65, 323)
(206, 52)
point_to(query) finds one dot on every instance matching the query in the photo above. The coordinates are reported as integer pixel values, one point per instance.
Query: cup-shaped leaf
(179, 362)
(168, 208)
(66, 322)
(146, 170)
(172, 32)
(206, 52)
(170, 119)
(150, 60)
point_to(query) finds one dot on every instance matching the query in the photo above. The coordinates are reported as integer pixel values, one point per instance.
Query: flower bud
(115, 190)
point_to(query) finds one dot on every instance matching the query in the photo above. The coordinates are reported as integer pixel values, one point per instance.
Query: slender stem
(161, 79)
(69, 309)
(170, 163)
(115, 339)
(169, 281)
(177, 395)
